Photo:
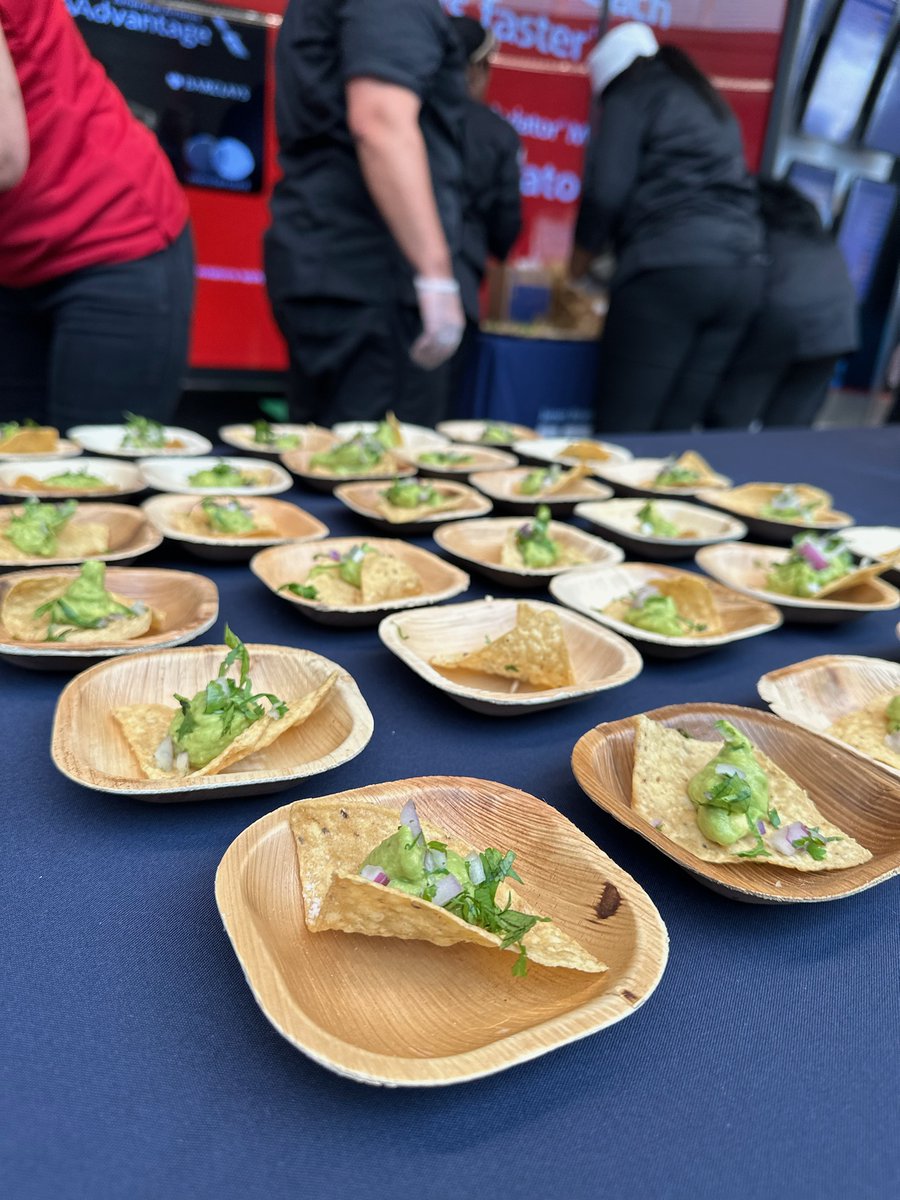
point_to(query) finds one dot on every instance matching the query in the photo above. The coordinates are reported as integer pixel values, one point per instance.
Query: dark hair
(785, 208)
(684, 67)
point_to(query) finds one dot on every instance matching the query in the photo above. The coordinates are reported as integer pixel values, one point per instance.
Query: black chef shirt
(327, 238)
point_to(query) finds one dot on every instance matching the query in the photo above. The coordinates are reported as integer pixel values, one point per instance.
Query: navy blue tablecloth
(136, 1063)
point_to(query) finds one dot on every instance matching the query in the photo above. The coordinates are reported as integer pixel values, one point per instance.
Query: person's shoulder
(490, 125)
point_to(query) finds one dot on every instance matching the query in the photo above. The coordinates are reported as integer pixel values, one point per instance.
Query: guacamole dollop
(653, 611)
(539, 479)
(85, 604)
(671, 475)
(893, 715)
(787, 506)
(228, 516)
(534, 543)
(220, 476)
(76, 479)
(444, 458)
(347, 567)
(36, 529)
(211, 720)
(265, 435)
(812, 563)
(361, 453)
(410, 493)
(653, 524)
(8, 428)
(406, 860)
(143, 433)
(731, 793)
(497, 433)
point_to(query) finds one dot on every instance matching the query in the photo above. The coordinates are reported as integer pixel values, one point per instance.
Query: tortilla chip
(383, 577)
(566, 480)
(35, 439)
(334, 591)
(405, 516)
(690, 461)
(694, 600)
(77, 539)
(866, 730)
(853, 579)
(664, 763)
(390, 419)
(146, 725)
(197, 523)
(510, 555)
(586, 450)
(333, 838)
(533, 651)
(751, 498)
(18, 619)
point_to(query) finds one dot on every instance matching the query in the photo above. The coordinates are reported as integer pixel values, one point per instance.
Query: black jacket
(809, 291)
(492, 203)
(665, 179)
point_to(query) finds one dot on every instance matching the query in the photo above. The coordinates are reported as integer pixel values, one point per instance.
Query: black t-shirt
(327, 237)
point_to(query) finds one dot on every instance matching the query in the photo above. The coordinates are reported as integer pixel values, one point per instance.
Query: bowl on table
(618, 520)
(364, 498)
(285, 522)
(746, 500)
(554, 450)
(19, 481)
(129, 535)
(501, 487)
(636, 478)
(107, 439)
(175, 476)
(311, 437)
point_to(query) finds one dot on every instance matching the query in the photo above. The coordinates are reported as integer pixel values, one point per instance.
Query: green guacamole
(361, 453)
(8, 428)
(410, 493)
(786, 506)
(228, 516)
(497, 434)
(85, 603)
(674, 476)
(534, 543)
(210, 721)
(731, 793)
(36, 529)
(222, 475)
(653, 524)
(893, 715)
(265, 435)
(402, 858)
(444, 458)
(143, 433)
(653, 611)
(76, 479)
(347, 566)
(796, 575)
(387, 435)
(539, 479)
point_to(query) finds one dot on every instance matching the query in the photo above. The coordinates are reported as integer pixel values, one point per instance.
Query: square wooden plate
(858, 797)
(744, 566)
(362, 498)
(186, 606)
(479, 544)
(634, 479)
(816, 693)
(124, 479)
(780, 532)
(589, 590)
(130, 535)
(107, 439)
(404, 1013)
(600, 659)
(501, 487)
(312, 437)
(618, 519)
(292, 563)
(172, 475)
(292, 524)
(88, 746)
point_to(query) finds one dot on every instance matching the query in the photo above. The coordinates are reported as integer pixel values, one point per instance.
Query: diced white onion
(410, 818)
(165, 754)
(182, 762)
(435, 860)
(446, 888)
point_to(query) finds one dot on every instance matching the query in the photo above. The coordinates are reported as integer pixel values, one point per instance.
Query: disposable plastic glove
(443, 321)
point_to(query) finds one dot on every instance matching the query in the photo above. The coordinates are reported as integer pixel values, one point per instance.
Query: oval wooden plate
(480, 458)
(165, 475)
(64, 449)
(292, 563)
(816, 693)
(861, 799)
(635, 479)
(88, 746)
(313, 438)
(297, 462)
(473, 431)
(130, 535)
(479, 543)
(107, 439)
(124, 479)
(186, 606)
(744, 566)
(550, 450)
(501, 487)
(362, 498)
(600, 659)
(589, 590)
(618, 519)
(415, 437)
(780, 532)
(405, 1013)
(293, 525)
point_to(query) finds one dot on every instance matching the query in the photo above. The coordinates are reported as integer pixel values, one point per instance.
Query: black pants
(350, 362)
(84, 347)
(461, 366)
(668, 338)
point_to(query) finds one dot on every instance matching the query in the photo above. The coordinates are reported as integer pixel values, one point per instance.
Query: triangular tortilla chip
(694, 600)
(533, 651)
(586, 450)
(405, 516)
(689, 461)
(866, 729)
(23, 598)
(31, 439)
(664, 763)
(750, 498)
(383, 577)
(853, 579)
(332, 838)
(145, 726)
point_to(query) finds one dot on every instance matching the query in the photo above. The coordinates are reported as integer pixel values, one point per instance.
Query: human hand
(443, 321)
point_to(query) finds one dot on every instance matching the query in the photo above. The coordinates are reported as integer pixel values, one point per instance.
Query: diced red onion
(796, 830)
(410, 818)
(524, 531)
(375, 874)
(892, 741)
(813, 555)
(446, 888)
(334, 556)
(165, 754)
(761, 826)
(435, 860)
(476, 868)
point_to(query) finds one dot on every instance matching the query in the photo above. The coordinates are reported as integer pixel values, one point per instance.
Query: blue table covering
(136, 1063)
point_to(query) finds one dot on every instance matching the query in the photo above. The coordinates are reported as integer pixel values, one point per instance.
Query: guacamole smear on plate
(363, 452)
(36, 529)
(652, 523)
(812, 563)
(265, 435)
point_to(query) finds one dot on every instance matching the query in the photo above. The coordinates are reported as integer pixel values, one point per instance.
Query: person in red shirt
(96, 258)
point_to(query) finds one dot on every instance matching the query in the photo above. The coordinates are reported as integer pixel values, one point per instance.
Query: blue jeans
(86, 346)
